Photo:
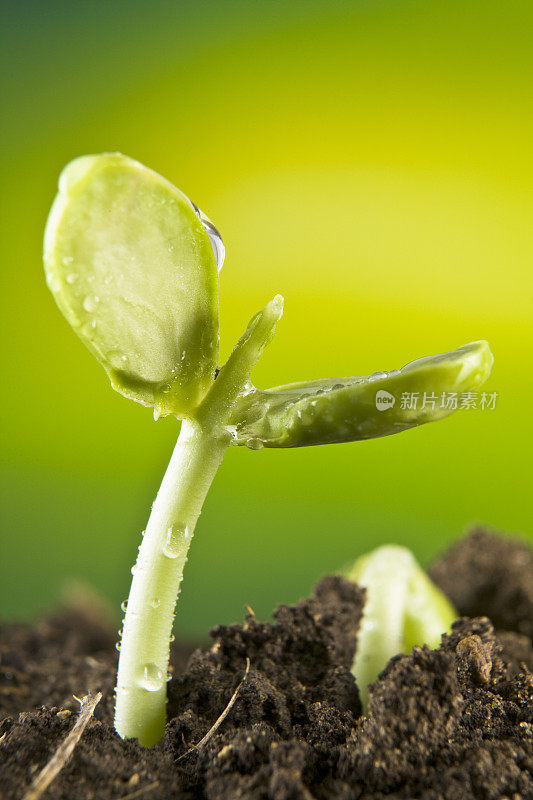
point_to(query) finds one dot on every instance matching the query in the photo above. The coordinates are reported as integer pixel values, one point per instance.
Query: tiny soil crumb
(453, 723)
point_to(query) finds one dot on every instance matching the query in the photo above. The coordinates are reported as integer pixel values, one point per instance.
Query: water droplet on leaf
(254, 444)
(214, 236)
(91, 302)
(377, 376)
(88, 329)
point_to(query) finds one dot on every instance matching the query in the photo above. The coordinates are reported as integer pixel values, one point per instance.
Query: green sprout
(403, 608)
(133, 265)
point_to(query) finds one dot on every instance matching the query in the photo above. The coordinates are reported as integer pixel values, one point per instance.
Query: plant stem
(144, 654)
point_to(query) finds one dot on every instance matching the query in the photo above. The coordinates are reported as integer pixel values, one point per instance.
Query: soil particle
(447, 724)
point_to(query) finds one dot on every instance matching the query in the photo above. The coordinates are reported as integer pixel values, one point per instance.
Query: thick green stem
(144, 653)
(142, 672)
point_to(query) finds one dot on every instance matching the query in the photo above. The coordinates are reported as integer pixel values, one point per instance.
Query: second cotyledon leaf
(356, 408)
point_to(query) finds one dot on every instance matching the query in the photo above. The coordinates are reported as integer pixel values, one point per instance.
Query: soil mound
(454, 723)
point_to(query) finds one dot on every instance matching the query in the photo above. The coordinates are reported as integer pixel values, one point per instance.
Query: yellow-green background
(372, 161)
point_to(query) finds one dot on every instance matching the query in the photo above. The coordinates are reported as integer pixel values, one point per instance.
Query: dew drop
(155, 602)
(117, 646)
(172, 638)
(152, 678)
(215, 238)
(124, 605)
(248, 388)
(72, 277)
(173, 542)
(133, 569)
(90, 302)
(232, 430)
(377, 376)
(254, 444)
(88, 329)
(66, 261)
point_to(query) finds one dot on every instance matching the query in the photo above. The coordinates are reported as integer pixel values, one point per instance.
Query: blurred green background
(371, 161)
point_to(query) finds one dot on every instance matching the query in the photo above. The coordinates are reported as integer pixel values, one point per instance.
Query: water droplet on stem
(152, 678)
(174, 541)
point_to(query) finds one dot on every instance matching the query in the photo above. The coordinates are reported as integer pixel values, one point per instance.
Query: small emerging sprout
(133, 265)
(403, 608)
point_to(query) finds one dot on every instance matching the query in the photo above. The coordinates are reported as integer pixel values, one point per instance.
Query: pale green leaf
(403, 608)
(351, 409)
(132, 269)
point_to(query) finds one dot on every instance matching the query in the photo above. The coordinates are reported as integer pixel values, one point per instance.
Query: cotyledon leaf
(132, 268)
(351, 409)
(403, 608)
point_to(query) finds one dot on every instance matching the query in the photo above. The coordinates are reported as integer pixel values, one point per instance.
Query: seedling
(403, 608)
(133, 265)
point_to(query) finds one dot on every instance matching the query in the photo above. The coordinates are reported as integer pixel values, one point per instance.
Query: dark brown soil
(453, 723)
(491, 575)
